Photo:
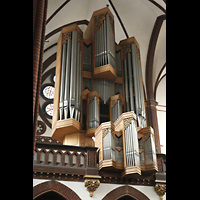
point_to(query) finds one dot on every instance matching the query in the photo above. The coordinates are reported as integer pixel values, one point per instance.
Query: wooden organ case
(99, 98)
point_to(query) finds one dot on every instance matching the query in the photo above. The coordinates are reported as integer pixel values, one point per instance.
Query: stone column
(152, 120)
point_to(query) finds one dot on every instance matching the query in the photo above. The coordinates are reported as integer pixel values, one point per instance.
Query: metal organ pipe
(79, 85)
(126, 86)
(130, 83)
(77, 82)
(67, 78)
(72, 75)
(93, 121)
(105, 44)
(62, 82)
(70, 84)
(138, 86)
(131, 145)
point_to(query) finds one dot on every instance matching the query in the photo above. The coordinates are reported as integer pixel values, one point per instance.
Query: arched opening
(53, 190)
(51, 195)
(125, 193)
(127, 197)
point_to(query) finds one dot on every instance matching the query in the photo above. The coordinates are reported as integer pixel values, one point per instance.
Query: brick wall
(39, 24)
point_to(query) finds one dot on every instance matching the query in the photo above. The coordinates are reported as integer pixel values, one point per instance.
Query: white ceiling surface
(138, 17)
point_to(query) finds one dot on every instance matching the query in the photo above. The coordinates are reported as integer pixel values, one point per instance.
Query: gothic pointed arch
(57, 187)
(124, 191)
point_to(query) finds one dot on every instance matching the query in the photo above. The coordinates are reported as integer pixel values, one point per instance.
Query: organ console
(99, 98)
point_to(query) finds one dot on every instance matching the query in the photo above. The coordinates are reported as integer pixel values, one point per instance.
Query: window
(49, 109)
(48, 92)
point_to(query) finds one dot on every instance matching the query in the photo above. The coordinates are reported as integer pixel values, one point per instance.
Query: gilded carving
(160, 190)
(145, 136)
(80, 40)
(66, 36)
(126, 49)
(105, 131)
(98, 21)
(91, 185)
(127, 122)
(113, 102)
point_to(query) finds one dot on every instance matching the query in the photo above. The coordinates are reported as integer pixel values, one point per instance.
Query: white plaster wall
(102, 190)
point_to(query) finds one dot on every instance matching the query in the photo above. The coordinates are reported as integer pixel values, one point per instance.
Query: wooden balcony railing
(52, 157)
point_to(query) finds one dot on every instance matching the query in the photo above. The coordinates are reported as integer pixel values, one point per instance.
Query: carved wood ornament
(66, 36)
(91, 183)
(160, 190)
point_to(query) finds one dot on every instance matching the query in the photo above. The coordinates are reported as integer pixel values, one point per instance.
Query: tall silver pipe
(138, 87)
(67, 79)
(72, 75)
(108, 38)
(89, 117)
(105, 42)
(130, 83)
(100, 44)
(133, 54)
(125, 134)
(135, 144)
(126, 86)
(77, 81)
(127, 146)
(95, 113)
(118, 109)
(96, 49)
(79, 87)
(62, 82)
(132, 144)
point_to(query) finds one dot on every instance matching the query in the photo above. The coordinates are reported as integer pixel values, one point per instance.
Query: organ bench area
(99, 98)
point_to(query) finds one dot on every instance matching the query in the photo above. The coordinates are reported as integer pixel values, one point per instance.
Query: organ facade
(99, 97)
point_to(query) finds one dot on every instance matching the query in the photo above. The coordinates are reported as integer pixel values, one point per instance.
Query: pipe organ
(104, 42)
(99, 96)
(70, 83)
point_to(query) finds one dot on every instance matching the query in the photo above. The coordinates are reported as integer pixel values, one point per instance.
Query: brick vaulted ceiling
(136, 18)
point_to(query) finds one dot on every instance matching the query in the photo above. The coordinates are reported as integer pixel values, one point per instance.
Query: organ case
(94, 72)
